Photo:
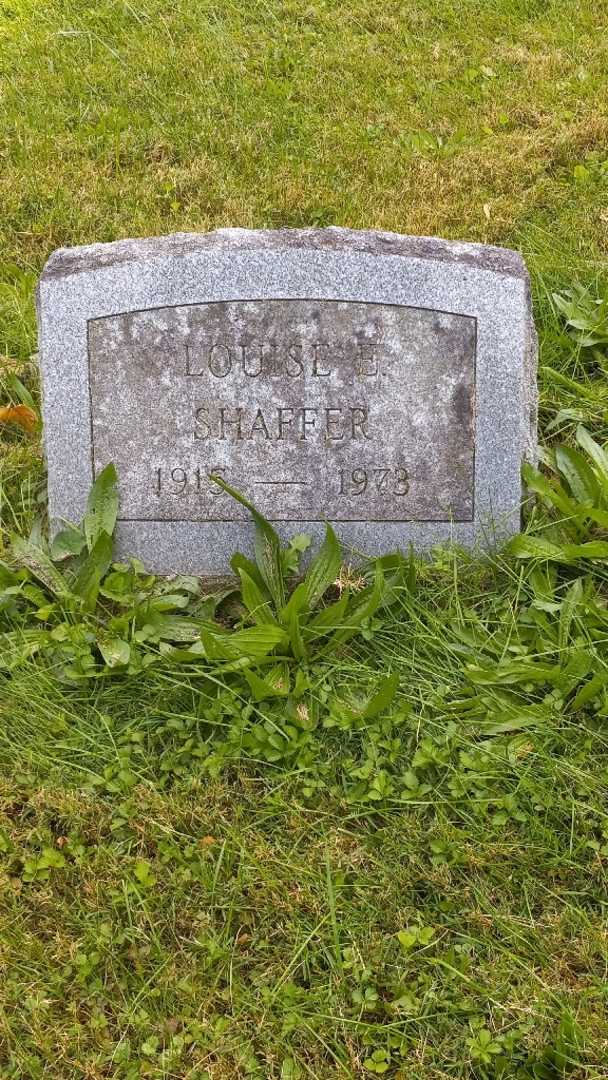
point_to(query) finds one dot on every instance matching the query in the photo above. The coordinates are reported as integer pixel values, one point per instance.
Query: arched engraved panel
(314, 409)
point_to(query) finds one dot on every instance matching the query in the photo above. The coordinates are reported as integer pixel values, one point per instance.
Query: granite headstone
(382, 382)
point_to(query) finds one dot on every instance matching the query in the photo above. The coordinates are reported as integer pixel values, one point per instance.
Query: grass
(170, 912)
(235, 926)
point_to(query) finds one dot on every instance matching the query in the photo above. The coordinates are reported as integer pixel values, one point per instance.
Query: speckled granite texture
(383, 382)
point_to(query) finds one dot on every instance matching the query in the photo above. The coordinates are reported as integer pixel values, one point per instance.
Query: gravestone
(382, 382)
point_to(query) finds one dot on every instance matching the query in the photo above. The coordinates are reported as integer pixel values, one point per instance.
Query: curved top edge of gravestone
(74, 260)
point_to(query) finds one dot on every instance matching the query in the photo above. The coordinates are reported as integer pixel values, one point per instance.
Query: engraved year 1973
(384, 481)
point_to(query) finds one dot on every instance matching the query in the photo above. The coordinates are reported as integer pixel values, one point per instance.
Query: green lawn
(199, 878)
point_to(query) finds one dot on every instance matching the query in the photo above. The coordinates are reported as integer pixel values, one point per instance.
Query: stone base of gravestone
(382, 382)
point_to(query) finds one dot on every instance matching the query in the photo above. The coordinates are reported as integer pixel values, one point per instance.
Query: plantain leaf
(597, 454)
(115, 651)
(290, 617)
(67, 542)
(274, 685)
(578, 666)
(102, 506)
(255, 642)
(89, 577)
(41, 566)
(590, 690)
(553, 493)
(254, 599)
(212, 645)
(571, 601)
(193, 652)
(383, 697)
(514, 673)
(18, 390)
(599, 516)
(331, 616)
(579, 474)
(592, 549)
(177, 627)
(267, 546)
(323, 569)
(533, 547)
(239, 562)
(522, 719)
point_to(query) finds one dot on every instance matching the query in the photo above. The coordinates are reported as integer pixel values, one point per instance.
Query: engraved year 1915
(180, 481)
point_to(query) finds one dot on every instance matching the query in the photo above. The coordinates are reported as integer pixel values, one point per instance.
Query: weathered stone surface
(385, 383)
